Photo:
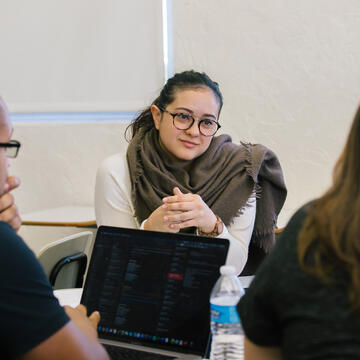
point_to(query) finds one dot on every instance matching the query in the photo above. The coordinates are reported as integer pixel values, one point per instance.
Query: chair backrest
(65, 260)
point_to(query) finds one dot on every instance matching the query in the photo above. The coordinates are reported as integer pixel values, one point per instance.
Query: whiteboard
(80, 55)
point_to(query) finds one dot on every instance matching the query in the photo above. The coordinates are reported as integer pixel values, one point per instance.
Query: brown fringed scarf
(224, 176)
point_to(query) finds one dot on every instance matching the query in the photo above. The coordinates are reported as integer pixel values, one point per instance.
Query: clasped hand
(181, 211)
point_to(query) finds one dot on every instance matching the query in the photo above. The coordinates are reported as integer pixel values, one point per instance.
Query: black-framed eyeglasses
(184, 121)
(11, 148)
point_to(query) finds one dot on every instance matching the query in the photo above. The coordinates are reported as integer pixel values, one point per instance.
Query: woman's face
(200, 103)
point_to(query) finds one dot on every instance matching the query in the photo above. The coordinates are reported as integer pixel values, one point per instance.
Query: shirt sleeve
(113, 205)
(29, 311)
(239, 234)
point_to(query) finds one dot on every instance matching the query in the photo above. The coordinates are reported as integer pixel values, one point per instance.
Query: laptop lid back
(153, 288)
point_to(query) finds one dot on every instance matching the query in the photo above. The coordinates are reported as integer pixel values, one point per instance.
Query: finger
(16, 223)
(177, 191)
(9, 214)
(12, 182)
(94, 318)
(178, 207)
(177, 218)
(172, 212)
(14, 219)
(81, 308)
(171, 230)
(69, 310)
(179, 198)
(6, 201)
(183, 224)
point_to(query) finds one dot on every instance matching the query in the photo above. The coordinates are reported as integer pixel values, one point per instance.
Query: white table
(69, 297)
(246, 280)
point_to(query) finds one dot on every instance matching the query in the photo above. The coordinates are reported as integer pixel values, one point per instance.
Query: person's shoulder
(261, 152)
(6, 228)
(8, 236)
(114, 160)
(298, 218)
(15, 255)
(114, 169)
(115, 163)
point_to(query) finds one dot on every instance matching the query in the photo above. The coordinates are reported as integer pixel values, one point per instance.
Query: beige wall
(58, 162)
(290, 75)
(289, 71)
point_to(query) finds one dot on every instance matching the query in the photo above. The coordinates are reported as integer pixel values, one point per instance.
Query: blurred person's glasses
(184, 121)
(11, 148)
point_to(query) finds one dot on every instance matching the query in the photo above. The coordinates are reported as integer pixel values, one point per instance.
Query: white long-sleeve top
(114, 207)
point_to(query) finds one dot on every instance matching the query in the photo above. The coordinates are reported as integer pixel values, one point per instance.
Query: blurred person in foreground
(304, 302)
(33, 324)
(8, 210)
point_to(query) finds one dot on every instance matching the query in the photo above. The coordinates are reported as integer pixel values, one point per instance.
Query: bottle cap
(227, 270)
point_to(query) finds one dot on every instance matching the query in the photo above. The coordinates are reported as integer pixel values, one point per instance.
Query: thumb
(12, 182)
(177, 191)
(94, 318)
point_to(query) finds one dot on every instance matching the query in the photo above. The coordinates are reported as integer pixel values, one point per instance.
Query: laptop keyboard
(120, 353)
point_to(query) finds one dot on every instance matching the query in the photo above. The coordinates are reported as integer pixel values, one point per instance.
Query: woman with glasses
(178, 176)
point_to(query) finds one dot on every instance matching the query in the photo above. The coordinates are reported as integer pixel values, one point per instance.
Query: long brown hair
(330, 237)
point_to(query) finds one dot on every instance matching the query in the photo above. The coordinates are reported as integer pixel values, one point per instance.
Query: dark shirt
(29, 312)
(287, 308)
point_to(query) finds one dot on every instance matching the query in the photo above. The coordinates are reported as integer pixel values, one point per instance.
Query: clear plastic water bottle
(227, 333)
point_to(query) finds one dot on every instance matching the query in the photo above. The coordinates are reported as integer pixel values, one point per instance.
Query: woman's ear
(156, 114)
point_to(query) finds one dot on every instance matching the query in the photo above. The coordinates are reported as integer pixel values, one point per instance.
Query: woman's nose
(194, 129)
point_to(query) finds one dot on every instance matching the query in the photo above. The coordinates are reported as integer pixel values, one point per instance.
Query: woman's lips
(188, 144)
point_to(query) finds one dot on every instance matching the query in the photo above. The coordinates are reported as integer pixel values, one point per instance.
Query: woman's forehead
(199, 96)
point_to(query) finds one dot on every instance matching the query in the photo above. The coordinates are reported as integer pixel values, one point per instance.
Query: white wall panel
(80, 55)
(289, 71)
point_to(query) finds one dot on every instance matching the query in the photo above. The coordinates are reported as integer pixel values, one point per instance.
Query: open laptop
(152, 290)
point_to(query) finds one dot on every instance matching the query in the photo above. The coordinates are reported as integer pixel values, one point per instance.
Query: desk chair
(256, 256)
(65, 260)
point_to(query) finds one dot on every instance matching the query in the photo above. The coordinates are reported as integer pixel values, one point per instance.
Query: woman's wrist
(217, 229)
(147, 225)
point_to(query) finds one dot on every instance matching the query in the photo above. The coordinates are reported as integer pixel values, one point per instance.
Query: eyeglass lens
(11, 152)
(183, 122)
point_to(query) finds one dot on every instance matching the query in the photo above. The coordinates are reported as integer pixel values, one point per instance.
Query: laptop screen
(153, 288)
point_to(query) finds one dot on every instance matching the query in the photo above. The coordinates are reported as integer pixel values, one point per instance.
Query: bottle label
(226, 314)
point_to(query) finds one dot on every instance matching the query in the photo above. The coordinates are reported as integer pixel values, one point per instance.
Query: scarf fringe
(265, 238)
(250, 169)
(248, 159)
(250, 172)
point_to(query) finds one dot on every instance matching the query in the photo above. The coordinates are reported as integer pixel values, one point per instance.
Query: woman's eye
(207, 122)
(184, 116)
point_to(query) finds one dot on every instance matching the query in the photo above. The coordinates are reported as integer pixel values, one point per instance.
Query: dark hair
(183, 80)
(329, 239)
